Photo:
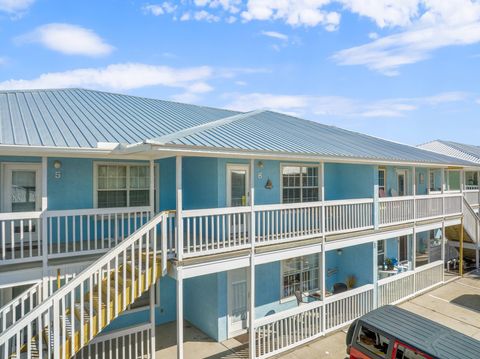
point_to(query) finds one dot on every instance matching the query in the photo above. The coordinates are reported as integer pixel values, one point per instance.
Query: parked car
(390, 332)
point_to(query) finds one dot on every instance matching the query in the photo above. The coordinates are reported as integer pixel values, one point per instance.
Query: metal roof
(276, 132)
(460, 150)
(422, 333)
(79, 118)
(83, 118)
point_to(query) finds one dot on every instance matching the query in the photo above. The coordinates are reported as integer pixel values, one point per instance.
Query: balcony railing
(210, 231)
(288, 329)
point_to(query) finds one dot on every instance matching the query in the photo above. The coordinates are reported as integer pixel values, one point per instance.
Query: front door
(402, 183)
(21, 190)
(237, 185)
(237, 301)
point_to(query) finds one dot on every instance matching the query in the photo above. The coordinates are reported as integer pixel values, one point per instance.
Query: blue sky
(406, 70)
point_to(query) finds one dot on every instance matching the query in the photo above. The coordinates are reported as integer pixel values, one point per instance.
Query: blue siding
(347, 181)
(391, 247)
(167, 183)
(200, 182)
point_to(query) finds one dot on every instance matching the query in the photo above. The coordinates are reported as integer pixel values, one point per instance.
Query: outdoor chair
(339, 288)
(302, 299)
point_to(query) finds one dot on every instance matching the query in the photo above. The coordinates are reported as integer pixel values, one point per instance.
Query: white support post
(179, 219)
(414, 190)
(375, 274)
(414, 247)
(443, 191)
(443, 249)
(375, 199)
(251, 326)
(152, 319)
(323, 267)
(44, 229)
(179, 313)
(152, 189)
(56, 329)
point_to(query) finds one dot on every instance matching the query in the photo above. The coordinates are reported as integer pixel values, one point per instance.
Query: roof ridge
(162, 140)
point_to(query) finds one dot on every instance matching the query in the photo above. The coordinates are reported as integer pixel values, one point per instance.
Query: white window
(380, 253)
(471, 180)
(453, 179)
(300, 273)
(122, 185)
(382, 179)
(299, 184)
(435, 180)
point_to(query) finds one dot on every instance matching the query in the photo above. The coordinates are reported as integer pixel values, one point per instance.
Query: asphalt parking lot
(455, 304)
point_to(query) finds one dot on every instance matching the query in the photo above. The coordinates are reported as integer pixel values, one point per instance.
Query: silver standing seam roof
(463, 151)
(79, 118)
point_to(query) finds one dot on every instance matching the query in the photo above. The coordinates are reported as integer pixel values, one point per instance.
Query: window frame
(384, 170)
(283, 298)
(383, 252)
(128, 164)
(300, 165)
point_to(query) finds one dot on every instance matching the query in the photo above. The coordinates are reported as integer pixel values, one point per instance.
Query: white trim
(7, 168)
(230, 331)
(319, 284)
(203, 268)
(237, 167)
(287, 253)
(300, 165)
(127, 164)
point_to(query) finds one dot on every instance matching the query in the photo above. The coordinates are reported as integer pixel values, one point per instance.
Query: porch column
(375, 274)
(152, 188)
(179, 204)
(414, 246)
(443, 249)
(44, 231)
(152, 319)
(375, 199)
(179, 313)
(323, 264)
(251, 324)
(414, 189)
(443, 190)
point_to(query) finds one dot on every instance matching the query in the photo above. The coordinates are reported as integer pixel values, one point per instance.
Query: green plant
(389, 264)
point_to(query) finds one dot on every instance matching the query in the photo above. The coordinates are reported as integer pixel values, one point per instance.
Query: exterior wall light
(260, 164)
(339, 252)
(57, 164)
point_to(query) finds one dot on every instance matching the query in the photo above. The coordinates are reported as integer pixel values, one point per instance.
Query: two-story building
(121, 213)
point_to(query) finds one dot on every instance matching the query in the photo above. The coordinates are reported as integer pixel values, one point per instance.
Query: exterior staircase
(471, 226)
(66, 321)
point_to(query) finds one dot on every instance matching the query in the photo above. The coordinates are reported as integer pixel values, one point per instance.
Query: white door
(238, 183)
(402, 183)
(237, 301)
(22, 187)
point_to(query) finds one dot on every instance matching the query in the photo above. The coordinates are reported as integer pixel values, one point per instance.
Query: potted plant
(351, 281)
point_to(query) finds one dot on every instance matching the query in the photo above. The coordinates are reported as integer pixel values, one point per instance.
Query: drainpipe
(252, 341)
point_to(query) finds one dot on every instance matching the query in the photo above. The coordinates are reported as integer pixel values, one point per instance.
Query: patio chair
(302, 299)
(339, 288)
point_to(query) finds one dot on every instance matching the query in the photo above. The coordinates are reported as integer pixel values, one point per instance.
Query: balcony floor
(196, 344)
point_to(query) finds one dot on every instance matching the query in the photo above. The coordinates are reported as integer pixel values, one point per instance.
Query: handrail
(12, 216)
(93, 211)
(99, 263)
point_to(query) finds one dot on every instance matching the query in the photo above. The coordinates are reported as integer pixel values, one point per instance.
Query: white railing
(343, 308)
(286, 222)
(394, 289)
(129, 343)
(215, 230)
(20, 234)
(472, 197)
(428, 275)
(22, 304)
(400, 287)
(285, 330)
(453, 204)
(90, 230)
(393, 210)
(346, 215)
(73, 315)
(429, 206)
(280, 332)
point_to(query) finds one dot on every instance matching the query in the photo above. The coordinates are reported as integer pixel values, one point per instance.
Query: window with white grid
(120, 185)
(300, 274)
(300, 184)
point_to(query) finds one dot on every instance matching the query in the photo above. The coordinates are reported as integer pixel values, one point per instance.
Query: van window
(374, 342)
(405, 352)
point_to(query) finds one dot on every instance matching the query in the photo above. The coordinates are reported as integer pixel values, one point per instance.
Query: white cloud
(338, 106)
(159, 9)
(293, 12)
(15, 6)
(120, 77)
(388, 53)
(373, 35)
(206, 16)
(68, 39)
(275, 35)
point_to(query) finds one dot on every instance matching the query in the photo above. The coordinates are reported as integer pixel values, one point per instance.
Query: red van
(390, 332)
